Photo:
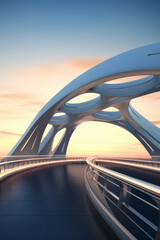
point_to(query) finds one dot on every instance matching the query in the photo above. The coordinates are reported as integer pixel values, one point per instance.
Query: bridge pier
(61, 148)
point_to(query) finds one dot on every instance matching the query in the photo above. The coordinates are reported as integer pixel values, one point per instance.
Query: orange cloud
(37, 103)
(10, 133)
(19, 105)
(61, 67)
(16, 96)
(156, 122)
(84, 63)
(27, 97)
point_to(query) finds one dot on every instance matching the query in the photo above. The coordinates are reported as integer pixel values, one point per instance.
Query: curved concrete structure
(141, 61)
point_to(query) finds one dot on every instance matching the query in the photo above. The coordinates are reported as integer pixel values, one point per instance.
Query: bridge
(94, 197)
(51, 198)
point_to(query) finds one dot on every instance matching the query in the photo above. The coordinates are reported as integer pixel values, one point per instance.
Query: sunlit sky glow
(45, 44)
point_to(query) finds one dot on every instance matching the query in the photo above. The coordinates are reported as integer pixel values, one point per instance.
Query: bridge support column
(46, 145)
(151, 146)
(61, 148)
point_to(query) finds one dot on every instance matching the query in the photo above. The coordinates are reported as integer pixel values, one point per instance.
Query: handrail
(10, 167)
(140, 165)
(40, 158)
(149, 187)
(131, 160)
(122, 200)
(23, 160)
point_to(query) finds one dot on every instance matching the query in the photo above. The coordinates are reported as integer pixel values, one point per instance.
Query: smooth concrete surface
(49, 203)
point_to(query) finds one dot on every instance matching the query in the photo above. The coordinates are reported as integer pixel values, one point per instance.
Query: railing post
(124, 196)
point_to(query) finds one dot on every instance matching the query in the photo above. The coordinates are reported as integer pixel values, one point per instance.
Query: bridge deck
(49, 203)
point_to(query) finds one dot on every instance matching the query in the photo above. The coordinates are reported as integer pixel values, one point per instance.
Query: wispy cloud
(156, 122)
(19, 105)
(62, 67)
(42, 78)
(10, 133)
(84, 63)
(37, 103)
(25, 97)
(16, 96)
(46, 79)
(19, 97)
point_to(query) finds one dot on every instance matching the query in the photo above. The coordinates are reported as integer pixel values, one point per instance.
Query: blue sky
(44, 31)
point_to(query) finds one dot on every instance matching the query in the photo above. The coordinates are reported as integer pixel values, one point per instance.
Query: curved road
(49, 203)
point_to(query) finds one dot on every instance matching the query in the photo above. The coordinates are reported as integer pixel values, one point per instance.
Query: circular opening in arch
(97, 138)
(126, 79)
(84, 98)
(110, 109)
(59, 119)
(59, 135)
(148, 106)
(59, 114)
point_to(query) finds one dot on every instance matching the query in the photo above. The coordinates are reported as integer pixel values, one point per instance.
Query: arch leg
(61, 149)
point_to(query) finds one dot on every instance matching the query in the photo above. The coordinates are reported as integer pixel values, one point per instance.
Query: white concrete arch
(141, 61)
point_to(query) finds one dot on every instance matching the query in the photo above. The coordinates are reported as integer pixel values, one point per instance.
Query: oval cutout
(148, 106)
(84, 98)
(59, 119)
(126, 79)
(110, 109)
(106, 139)
(58, 114)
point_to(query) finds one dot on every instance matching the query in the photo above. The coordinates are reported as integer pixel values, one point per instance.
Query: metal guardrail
(10, 165)
(22, 157)
(145, 162)
(134, 203)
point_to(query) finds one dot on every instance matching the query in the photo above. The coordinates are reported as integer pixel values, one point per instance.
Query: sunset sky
(45, 44)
